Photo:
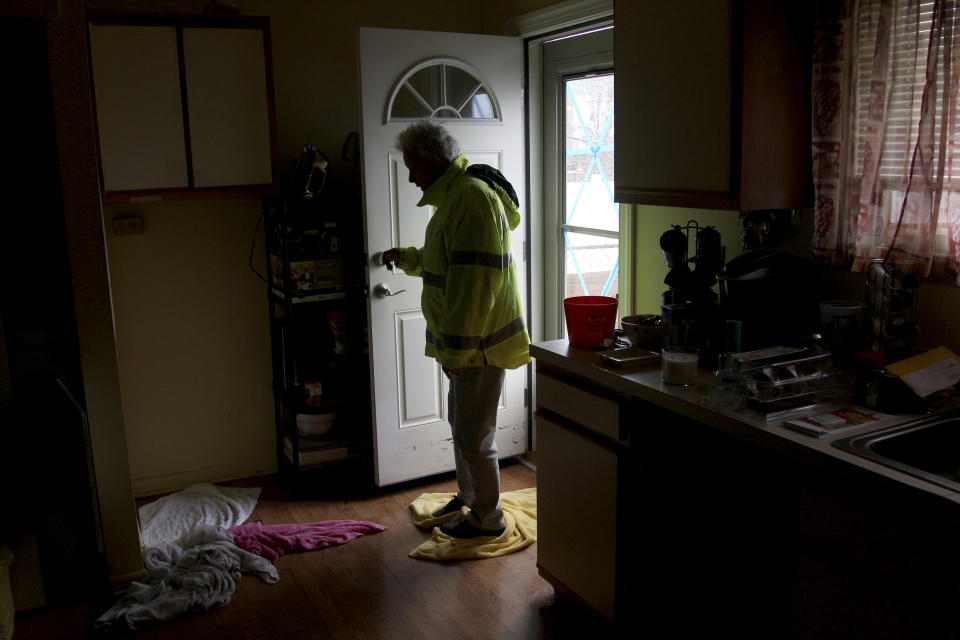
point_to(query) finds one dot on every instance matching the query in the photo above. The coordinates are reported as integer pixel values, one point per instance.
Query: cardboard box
(328, 273)
(309, 275)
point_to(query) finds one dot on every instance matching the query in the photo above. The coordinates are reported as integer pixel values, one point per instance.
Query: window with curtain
(885, 159)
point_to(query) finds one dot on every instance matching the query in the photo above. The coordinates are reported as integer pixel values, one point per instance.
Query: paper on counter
(929, 372)
(824, 424)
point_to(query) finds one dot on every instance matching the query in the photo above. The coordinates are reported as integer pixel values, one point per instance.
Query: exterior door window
(581, 231)
(591, 223)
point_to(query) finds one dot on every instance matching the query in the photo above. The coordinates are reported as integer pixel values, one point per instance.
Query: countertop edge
(644, 384)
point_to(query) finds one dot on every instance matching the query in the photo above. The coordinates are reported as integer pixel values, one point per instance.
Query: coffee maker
(689, 307)
(770, 297)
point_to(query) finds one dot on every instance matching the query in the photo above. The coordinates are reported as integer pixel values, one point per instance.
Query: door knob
(383, 290)
(377, 261)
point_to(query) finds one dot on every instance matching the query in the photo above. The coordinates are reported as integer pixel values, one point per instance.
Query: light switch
(127, 225)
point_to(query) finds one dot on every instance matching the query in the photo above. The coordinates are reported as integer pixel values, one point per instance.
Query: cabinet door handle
(382, 290)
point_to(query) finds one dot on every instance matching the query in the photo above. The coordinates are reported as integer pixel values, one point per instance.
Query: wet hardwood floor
(367, 588)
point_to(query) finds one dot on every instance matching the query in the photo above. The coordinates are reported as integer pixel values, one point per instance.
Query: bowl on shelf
(313, 424)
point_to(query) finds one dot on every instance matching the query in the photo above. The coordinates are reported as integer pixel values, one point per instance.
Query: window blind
(902, 86)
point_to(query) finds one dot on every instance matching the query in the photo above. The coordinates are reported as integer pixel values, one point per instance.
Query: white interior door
(476, 82)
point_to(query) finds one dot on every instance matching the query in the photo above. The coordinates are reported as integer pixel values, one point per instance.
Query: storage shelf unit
(318, 337)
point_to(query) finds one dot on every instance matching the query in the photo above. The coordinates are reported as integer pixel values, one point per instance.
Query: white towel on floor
(172, 518)
(199, 576)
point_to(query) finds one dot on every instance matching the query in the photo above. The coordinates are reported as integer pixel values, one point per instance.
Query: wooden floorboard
(367, 588)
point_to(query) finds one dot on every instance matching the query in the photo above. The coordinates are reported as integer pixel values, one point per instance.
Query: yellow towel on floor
(519, 517)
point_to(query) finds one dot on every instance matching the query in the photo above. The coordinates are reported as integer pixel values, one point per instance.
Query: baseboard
(529, 460)
(153, 485)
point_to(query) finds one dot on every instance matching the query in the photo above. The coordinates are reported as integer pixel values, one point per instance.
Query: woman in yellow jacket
(471, 302)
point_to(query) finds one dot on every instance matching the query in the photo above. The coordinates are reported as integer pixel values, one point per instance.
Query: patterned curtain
(885, 79)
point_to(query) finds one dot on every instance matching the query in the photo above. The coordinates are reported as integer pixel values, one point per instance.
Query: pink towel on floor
(272, 541)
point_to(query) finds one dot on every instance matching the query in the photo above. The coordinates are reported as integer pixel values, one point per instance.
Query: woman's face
(424, 168)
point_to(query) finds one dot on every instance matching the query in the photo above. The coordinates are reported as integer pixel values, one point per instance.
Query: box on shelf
(313, 393)
(315, 454)
(308, 275)
(329, 273)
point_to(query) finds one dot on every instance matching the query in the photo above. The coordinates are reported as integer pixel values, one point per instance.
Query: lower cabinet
(577, 514)
(656, 521)
(678, 528)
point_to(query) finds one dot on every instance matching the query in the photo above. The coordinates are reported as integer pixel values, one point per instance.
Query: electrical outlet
(127, 225)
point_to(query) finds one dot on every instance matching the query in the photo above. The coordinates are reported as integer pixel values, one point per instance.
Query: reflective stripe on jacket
(471, 294)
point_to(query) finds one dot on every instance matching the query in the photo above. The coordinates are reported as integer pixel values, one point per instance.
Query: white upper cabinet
(713, 98)
(182, 108)
(227, 103)
(139, 108)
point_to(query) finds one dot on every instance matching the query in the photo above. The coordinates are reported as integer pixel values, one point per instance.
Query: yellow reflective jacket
(471, 295)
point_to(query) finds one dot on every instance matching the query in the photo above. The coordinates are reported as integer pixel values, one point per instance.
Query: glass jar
(890, 308)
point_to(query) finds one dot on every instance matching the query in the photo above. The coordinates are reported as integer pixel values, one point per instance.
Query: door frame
(580, 55)
(536, 28)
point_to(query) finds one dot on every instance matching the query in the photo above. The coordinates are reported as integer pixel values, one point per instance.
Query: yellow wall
(193, 344)
(651, 268)
(191, 319)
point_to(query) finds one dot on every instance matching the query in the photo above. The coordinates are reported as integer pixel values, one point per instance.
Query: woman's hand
(452, 373)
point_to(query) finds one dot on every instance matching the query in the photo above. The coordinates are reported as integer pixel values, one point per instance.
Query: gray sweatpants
(473, 400)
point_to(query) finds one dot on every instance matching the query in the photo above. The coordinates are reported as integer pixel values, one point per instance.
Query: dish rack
(779, 378)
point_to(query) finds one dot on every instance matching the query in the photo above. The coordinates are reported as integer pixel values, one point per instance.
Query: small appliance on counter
(768, 298)
(689, 311)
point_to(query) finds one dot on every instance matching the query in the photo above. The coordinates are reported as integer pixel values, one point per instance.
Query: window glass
(406, 105)
(426, 82)
(446, 90)
(589, 153)
(592, 265)
(591, 262)
(479, 106)
(460, 86)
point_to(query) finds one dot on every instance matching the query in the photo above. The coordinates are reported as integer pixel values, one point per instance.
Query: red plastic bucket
(590, 319)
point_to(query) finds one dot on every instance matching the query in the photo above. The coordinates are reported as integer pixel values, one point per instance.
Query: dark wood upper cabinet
(713, 103)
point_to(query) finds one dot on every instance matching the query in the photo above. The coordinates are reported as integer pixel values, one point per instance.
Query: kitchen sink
(928, 448)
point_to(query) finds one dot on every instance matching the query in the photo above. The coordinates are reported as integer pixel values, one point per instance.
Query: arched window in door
(444, 89)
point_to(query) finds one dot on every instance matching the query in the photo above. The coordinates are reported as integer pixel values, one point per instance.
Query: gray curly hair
(430, 138)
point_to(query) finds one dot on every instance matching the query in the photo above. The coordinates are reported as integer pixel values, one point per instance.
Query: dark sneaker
(463, 529)
(454, 505)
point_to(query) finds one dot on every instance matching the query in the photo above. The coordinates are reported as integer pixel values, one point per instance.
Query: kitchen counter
(731, 508)
(692, 402)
